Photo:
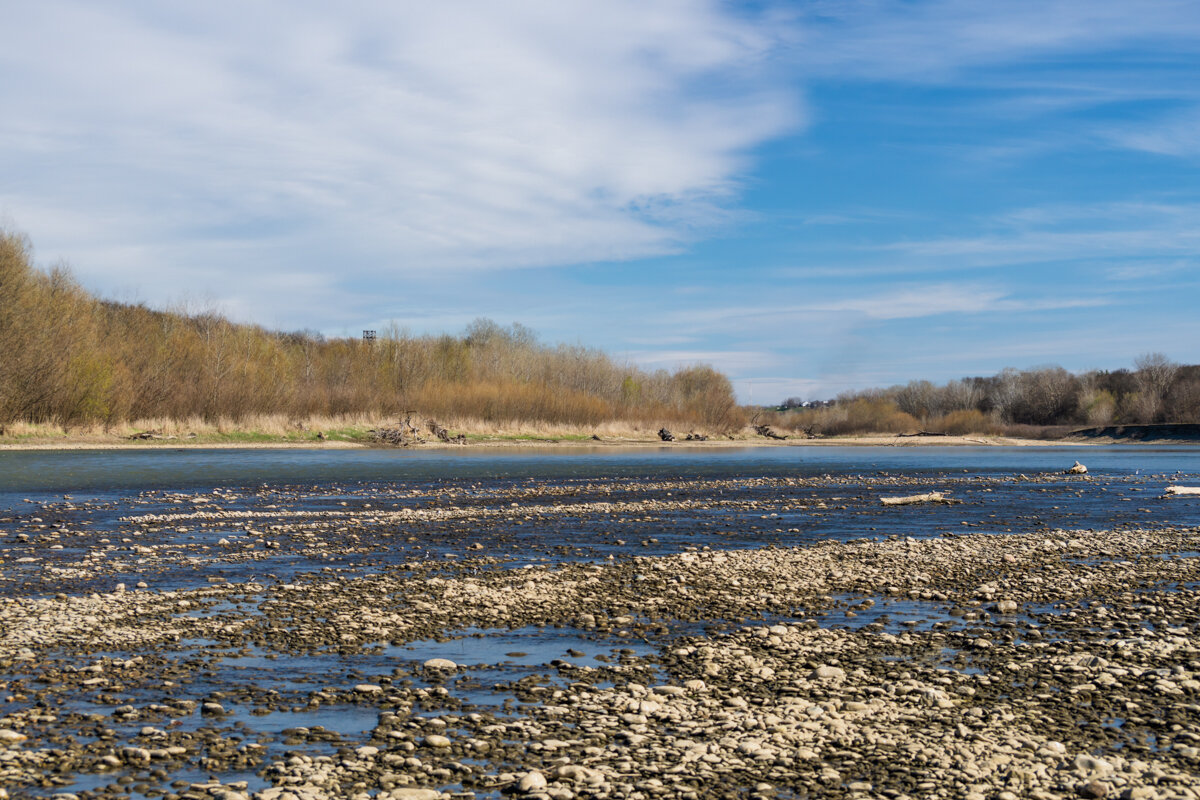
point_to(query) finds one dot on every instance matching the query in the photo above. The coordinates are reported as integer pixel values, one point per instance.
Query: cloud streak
(406, 137)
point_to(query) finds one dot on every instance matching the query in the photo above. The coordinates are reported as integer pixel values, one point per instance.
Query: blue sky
(811, 196)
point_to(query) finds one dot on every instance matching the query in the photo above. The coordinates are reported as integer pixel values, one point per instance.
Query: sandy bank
(880, 440)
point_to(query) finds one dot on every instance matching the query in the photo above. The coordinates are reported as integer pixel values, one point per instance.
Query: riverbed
(741, 623)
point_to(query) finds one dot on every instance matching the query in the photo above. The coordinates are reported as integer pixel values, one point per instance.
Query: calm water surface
(99, 472)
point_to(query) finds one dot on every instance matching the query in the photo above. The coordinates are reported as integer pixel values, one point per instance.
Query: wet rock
(1006, 606)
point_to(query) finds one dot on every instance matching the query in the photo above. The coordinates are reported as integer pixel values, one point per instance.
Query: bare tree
(1154, 375)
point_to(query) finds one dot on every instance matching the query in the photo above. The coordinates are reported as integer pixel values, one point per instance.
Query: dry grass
(280, 428)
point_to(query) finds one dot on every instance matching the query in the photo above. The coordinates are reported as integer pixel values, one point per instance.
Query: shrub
(960, 423)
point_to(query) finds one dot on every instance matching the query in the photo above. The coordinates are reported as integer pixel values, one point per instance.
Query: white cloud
(398, 137)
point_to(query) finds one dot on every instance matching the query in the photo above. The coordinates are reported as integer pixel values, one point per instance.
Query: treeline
(68, 358)
(1156, 390)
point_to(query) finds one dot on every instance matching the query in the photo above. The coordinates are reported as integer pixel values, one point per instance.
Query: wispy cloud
(1096, 233)
(906, 302)
(733, 361)
(399, 137)
(1175, 134)
(933, 41)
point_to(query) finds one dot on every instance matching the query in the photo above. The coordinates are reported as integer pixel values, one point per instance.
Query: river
(239, 576)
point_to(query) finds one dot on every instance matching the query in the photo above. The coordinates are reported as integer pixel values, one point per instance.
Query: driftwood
(146, 435)
(1077, 469)
(922, 433)
(401, 437)
(444, 435)
(1182, 490)
(915, 499)
(696, 437)
(765, 430)
(406, 433)
(666, 435)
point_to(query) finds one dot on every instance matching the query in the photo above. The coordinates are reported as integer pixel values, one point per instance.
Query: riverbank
(484, 440)
(354, 431)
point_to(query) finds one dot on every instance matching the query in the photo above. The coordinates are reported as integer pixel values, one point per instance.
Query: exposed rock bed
(1048, 663)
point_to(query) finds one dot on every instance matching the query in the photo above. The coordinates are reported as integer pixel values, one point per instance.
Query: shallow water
(838, 500)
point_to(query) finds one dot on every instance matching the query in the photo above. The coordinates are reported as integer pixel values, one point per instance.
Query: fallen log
(914, 499)
(765, 430)
(147, 435)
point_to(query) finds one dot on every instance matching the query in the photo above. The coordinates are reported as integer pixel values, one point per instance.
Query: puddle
(530, 646)
(894, 615)
(351, 722)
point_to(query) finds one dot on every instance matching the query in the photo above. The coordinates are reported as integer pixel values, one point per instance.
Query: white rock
(440, 663)
(532, 782)
(580, 774)
(1092, 766)
(826, 672)
(412, 793)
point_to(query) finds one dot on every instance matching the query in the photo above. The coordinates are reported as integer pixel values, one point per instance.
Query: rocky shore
(1046, 663)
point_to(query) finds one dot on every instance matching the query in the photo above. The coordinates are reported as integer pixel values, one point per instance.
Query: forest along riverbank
(1042, 663)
